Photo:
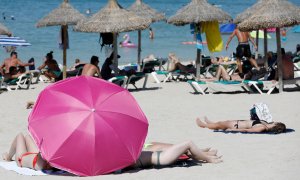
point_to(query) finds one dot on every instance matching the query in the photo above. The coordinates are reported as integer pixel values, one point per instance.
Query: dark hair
(13, 53)
(282, 51)
(94, 60)
(49, 55)
(278, 128)
(298, 48)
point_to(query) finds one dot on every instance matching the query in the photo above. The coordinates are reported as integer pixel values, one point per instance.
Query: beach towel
(12, 166)
(213, 36)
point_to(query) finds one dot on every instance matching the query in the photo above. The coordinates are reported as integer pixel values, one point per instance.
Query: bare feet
(207, 121)
(6, 157)
(200, 123)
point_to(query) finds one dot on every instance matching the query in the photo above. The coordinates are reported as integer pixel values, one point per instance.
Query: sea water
(168, 38)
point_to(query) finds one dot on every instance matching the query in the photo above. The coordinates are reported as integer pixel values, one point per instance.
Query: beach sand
(171, 111)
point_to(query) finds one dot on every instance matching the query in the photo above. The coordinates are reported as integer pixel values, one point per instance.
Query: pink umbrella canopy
(88, 126)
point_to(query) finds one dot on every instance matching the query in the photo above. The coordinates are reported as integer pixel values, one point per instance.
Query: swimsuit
(26, 154)
(56, 73)
(243, 49)
(253, 123)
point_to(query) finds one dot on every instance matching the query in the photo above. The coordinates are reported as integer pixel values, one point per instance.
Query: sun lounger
(22, 82)
(136, 77)
(119, 80)
(269, 85)
(36, 76)
(3, 85)
(197, 87)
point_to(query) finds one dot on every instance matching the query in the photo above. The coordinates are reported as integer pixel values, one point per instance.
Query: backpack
(107, 39)
(260, 111)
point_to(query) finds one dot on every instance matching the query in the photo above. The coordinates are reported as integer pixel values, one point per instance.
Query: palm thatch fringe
(143, 10)
(198, 11)
(113, 18)
(65, 14)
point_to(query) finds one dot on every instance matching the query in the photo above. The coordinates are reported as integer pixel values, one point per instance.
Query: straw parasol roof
(248, 12)
(143, 10)
(4, 30)
(65, 14)
(198, 11)
(273, 14)
(113, 18)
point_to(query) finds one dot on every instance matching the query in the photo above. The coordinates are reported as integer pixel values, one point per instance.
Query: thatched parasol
(63, 16)
(143, 10)
(248, 12)
(198, 11)
(4, 30)
(274, 14)
(113, 19)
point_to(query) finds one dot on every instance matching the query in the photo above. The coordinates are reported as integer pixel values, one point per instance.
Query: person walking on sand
(92, 69)
(243, 49)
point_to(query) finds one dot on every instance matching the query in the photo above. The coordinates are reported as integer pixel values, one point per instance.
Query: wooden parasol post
(115, 44)
(64, 29)
(139, 49)
(199, 57)
(279, 60)
(266, 48)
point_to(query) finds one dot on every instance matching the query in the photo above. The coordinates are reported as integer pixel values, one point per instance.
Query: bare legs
(20, 145)
(222, 73)
(223, 125)
(171, 154)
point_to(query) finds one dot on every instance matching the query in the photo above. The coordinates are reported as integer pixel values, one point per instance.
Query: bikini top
(259, 122)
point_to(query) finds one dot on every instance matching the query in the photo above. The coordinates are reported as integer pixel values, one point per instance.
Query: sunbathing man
(92, 69)
(253, 126)
(175, 64)
(11, 66)
(243, 49)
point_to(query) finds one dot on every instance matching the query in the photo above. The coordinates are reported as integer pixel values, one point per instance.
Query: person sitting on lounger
(26, 153)
(12, 66)
(53, 70)
(92, 69)
(164, 154)
(175, 64)
(253, 126)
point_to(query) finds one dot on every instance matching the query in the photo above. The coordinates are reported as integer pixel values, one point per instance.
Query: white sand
(171, 112)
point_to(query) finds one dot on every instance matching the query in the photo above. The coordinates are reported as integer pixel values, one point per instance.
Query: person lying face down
(251, 126)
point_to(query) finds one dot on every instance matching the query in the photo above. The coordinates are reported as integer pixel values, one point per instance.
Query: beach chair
(36, 76)
(269, 85)
(136, 77)
(201, 87)
(22, 82)
(3, 85)
(119, 80)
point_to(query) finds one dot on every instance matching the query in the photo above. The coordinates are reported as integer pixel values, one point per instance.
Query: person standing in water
(151, 33)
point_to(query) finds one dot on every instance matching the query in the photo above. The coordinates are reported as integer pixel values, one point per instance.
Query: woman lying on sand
(253, 126)
(163, 154)
(159, 154)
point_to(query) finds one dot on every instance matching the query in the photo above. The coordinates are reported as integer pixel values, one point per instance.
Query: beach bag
(260, 111)
(106, 39)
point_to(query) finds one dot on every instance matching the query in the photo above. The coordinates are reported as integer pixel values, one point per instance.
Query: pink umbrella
(88, 126)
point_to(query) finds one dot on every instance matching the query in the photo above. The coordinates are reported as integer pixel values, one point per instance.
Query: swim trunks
(243, 49)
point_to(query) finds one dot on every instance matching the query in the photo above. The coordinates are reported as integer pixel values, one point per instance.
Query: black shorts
(243, 50)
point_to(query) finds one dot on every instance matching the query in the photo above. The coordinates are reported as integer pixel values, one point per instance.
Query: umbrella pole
(65, 28)
(256, 51)
(139, 48)
(279, 60)
(266, 47)
(115, 49)
(198, 59)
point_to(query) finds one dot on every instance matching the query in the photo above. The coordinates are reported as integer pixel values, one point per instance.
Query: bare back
(241, 36)
(90, 70)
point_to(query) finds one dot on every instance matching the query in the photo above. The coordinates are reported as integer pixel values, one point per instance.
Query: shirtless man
(11, 64)
(92, 69)
(243, 49)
